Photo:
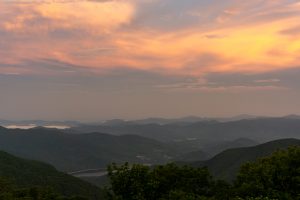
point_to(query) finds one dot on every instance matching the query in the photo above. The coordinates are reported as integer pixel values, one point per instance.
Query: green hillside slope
(226, 164)
(27, 173)
(73, 152)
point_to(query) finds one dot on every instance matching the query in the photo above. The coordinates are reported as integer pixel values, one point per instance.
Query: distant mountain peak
(292, 116)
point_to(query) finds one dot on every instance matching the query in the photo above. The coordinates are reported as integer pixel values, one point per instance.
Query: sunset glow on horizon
(180, 46)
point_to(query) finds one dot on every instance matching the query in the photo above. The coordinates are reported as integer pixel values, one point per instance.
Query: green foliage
(139, 182)
(180, 195)
(34, 193)
(272, 178)
(277, 176)
(255, 198)
(226, 165)
(222, 190)
(40, 178)
(129, 182)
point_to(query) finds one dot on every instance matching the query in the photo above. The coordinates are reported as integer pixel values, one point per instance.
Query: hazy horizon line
(151, 117)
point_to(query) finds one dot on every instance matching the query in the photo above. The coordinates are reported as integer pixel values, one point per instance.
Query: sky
(92, 60)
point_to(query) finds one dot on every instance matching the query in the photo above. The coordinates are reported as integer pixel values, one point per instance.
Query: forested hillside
(226, 164)
(72, 152)
(17, 174)
(271, 178)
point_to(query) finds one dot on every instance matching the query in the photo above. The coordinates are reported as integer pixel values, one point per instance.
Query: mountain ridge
(72, 152)
(225, 165)
(26, 173)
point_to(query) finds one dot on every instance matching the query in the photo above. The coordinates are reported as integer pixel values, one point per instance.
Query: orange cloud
(102, 16)
(102, 35)
(98, 16)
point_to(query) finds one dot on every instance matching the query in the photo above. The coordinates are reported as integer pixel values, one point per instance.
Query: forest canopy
(276, 177)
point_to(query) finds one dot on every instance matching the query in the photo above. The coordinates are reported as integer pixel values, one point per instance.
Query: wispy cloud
(267, 81)
(173, 36)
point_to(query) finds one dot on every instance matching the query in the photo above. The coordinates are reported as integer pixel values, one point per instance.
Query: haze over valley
(150, 141)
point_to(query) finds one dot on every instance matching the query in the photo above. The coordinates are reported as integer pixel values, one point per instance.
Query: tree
(141, 182)
(129, 182)
(9, 191)
(277, 176)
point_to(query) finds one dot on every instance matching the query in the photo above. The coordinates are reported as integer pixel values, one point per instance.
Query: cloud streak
(71, 59)
(180, 37)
